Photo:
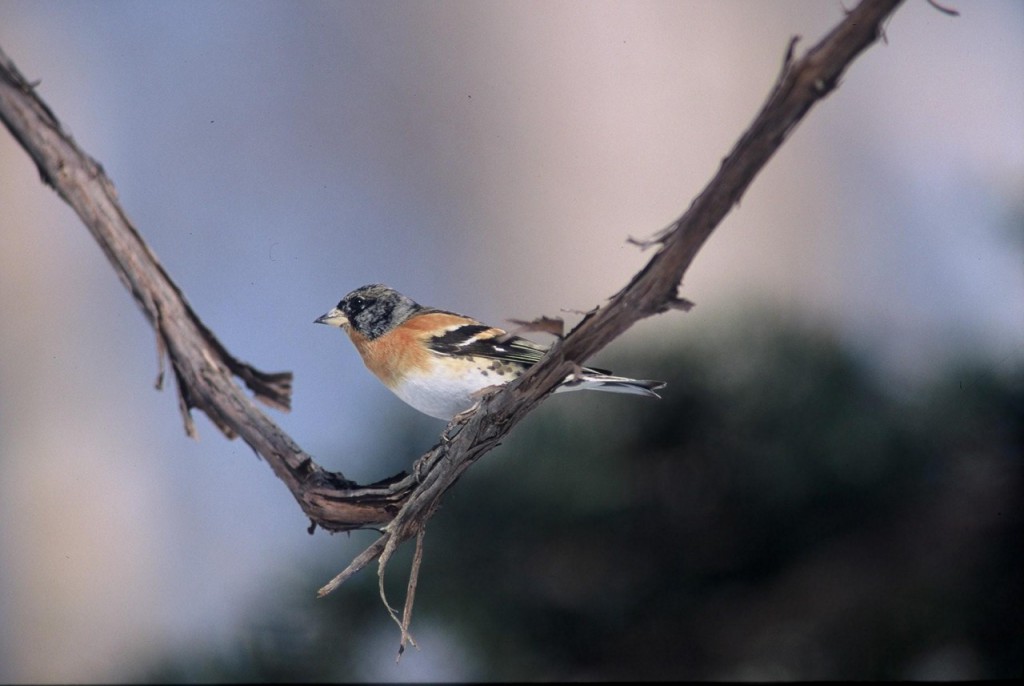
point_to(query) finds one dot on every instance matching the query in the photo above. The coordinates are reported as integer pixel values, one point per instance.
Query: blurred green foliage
(782, 513)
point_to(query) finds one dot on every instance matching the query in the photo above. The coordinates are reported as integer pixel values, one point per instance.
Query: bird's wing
(479, 340)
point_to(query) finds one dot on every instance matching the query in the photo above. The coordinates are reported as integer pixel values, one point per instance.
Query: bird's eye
(356, 305)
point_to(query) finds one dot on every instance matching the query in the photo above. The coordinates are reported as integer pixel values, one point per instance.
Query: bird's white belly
(443, 395)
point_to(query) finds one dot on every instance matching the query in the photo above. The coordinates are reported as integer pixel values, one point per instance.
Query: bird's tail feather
(589, 381)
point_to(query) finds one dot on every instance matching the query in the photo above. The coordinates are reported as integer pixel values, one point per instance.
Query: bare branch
(802, 83)
(202, 366)
(401, 506)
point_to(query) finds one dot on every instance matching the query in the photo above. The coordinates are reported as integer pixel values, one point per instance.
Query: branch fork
(400, 507)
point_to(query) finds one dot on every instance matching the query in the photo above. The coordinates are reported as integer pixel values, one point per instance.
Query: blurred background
(830, 488)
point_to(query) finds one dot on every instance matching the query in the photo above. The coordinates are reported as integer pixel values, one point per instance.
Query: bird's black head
(376, 309)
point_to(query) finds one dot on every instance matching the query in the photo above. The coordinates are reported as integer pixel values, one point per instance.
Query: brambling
(439, 361)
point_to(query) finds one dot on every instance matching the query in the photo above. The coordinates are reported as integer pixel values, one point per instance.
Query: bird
(439, 361)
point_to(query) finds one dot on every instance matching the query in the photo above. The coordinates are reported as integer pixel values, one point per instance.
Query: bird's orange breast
(402, 351)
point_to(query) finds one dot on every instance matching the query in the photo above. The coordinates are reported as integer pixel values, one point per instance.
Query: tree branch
(800, 85)
(401, 506)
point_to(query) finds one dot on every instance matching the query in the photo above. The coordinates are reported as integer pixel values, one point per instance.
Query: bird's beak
(332, 318)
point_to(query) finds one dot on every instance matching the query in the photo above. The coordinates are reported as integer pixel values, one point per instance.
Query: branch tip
(682, 304)
(949, 11)
(787, 60)
(657, 237)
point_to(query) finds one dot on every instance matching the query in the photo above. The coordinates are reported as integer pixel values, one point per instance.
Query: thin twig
(945, 10)
(410, 595)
